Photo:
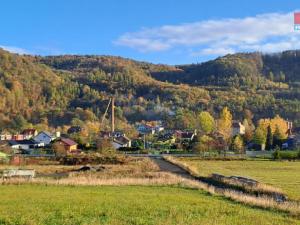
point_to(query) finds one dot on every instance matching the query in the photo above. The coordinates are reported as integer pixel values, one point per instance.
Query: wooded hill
(244, 69)
(64, 90)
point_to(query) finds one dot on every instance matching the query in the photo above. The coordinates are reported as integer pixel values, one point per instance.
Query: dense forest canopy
(58, 91)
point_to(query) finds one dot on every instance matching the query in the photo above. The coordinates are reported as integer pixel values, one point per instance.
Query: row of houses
(24, 135)
(156, 127)
(153, 127)
(29, 140)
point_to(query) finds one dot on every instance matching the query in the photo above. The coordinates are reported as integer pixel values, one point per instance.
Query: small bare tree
(59, 149)
(104, 146)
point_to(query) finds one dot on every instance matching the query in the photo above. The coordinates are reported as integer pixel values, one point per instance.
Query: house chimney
(112, 114)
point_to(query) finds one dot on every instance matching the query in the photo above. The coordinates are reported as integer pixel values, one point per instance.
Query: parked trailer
(11, 173)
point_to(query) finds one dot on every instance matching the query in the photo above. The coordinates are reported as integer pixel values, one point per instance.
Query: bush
(289, 155)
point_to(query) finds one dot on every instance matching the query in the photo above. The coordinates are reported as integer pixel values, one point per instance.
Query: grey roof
(47, 133)
(22, 142)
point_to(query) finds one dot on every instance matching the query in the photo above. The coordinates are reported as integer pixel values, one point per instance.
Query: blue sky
(159, 31)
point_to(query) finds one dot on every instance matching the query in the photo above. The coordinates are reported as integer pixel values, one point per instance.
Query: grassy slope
(284, 175)
(39, 204)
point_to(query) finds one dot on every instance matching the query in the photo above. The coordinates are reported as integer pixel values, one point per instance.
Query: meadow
(116, 205)
(282, 174)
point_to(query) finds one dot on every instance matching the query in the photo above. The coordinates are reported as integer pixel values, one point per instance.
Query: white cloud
(214, 51)
(142, 44)
(14, 49)
(266, 32)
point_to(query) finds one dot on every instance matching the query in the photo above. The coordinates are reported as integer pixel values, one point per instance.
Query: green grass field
(282, 174)
(41, 204)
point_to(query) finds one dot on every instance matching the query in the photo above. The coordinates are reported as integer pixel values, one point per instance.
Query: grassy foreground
(282, 174)
(42, 204)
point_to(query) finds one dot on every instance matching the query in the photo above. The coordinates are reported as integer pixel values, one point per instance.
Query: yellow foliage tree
(225, 124)
(276, 123)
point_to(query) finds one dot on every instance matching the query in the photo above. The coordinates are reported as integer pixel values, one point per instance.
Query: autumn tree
(260, 137)
(278, 136)
(248, 115)
(277, 121)
(225, 124)
(104, 146)
(238, 144)
(206, 122)
(59, 149)
(203, 144)
(249, 130)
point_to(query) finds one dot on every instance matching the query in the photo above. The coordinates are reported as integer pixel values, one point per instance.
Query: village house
(17, 137)
(149, 128)
(68, 144)
(29, 133)
(166, 139)
(45, 138)
(23, 144)
(145, 129)
(118, 138)
(185, 136)
(122, 141)
(188, 136)
(116, 134)
(8, 137)
(5, 137)
(109, 134)
(237, 128)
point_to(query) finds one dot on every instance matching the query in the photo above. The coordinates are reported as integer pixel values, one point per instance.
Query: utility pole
(112, 114)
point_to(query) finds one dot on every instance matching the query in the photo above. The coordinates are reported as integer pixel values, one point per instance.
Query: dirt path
(166, 166)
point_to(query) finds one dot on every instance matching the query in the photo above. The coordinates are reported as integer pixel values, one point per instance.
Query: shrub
(288, 155)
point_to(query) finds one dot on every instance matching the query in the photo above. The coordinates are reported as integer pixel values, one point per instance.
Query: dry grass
(90, 180)
(43, 169)
(264, 202)
(258, 188)
(138, 171)
(133, 167)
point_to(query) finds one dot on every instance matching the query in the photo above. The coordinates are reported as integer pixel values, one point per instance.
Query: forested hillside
(264, 83)
(59, 91)
(253, 70)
